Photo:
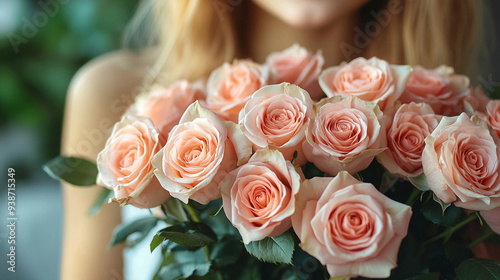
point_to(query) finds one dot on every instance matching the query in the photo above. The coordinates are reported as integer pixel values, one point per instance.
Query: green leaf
(433, 212)
(311, 171)
(277, 249)
(226, 252)
(189, 234)
(443, 205)
(420, 182)
(141, 226)
(427, 276)
(157, 240)
(173, 208)
(76, 171)
(183, 264)
(479, 269)
(103, 197)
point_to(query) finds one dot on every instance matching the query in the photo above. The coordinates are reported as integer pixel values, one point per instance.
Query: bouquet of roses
(395, 173)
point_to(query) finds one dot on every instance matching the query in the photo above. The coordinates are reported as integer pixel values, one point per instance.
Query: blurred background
(42, 44)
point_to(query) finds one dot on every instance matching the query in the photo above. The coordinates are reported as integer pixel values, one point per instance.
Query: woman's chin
(309, 14)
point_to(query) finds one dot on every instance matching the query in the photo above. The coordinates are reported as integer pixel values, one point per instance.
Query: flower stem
(449, 231)
(481, 238)
(192, 213)
(413, 197)
(195, 218)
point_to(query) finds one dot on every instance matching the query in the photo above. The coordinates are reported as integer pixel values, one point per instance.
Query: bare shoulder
(98, 95)
(111, 75)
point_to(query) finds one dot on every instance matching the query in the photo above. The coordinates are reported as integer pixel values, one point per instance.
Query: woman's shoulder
(111, 75)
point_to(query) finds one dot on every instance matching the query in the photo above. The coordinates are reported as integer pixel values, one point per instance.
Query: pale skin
(99, 94)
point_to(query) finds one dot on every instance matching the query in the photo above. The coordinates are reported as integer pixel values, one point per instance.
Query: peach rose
(200, 151)
(297, 66)
(125, 163)
(460, 161)
(277, 116)
(440, 88)
(405, 139)
(350, 226)
(345, 134)
(372, 80)
(165, 105)
(230, 86)
(492, 218)
(259, 197)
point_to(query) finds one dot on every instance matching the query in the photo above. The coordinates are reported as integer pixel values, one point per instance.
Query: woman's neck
(266, 33)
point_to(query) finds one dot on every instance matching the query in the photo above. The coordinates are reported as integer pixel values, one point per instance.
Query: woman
(194, 37)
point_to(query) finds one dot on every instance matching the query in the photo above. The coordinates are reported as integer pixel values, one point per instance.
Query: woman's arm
(98, 95)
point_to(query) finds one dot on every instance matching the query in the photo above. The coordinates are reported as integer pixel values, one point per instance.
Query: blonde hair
(431, 33)
(194, 37)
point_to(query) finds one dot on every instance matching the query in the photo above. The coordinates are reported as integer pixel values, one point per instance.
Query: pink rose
(493, 115)
(277, 116)
(372, 80)
(165, 105)
(475, 102)
(297, 66)
(460, 161)
(231, 85)
(440, 88)
(345, 134)
(350, 226)
(200, 151)
(492, 218)
(125, 163)
(405, 139)
(259, 197)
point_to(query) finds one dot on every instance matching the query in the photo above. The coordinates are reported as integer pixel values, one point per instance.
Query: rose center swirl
(351, 226)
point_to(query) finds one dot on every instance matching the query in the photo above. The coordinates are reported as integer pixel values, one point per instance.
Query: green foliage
(140, 226)
(189, 234)
(226, 252)
(311, 171)
(155, 242)
(277, 249)
(420, 182)
(173, 209)
(427, 276)
(76, 171)
(183, 264)
(433, 211)
(478, 269)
